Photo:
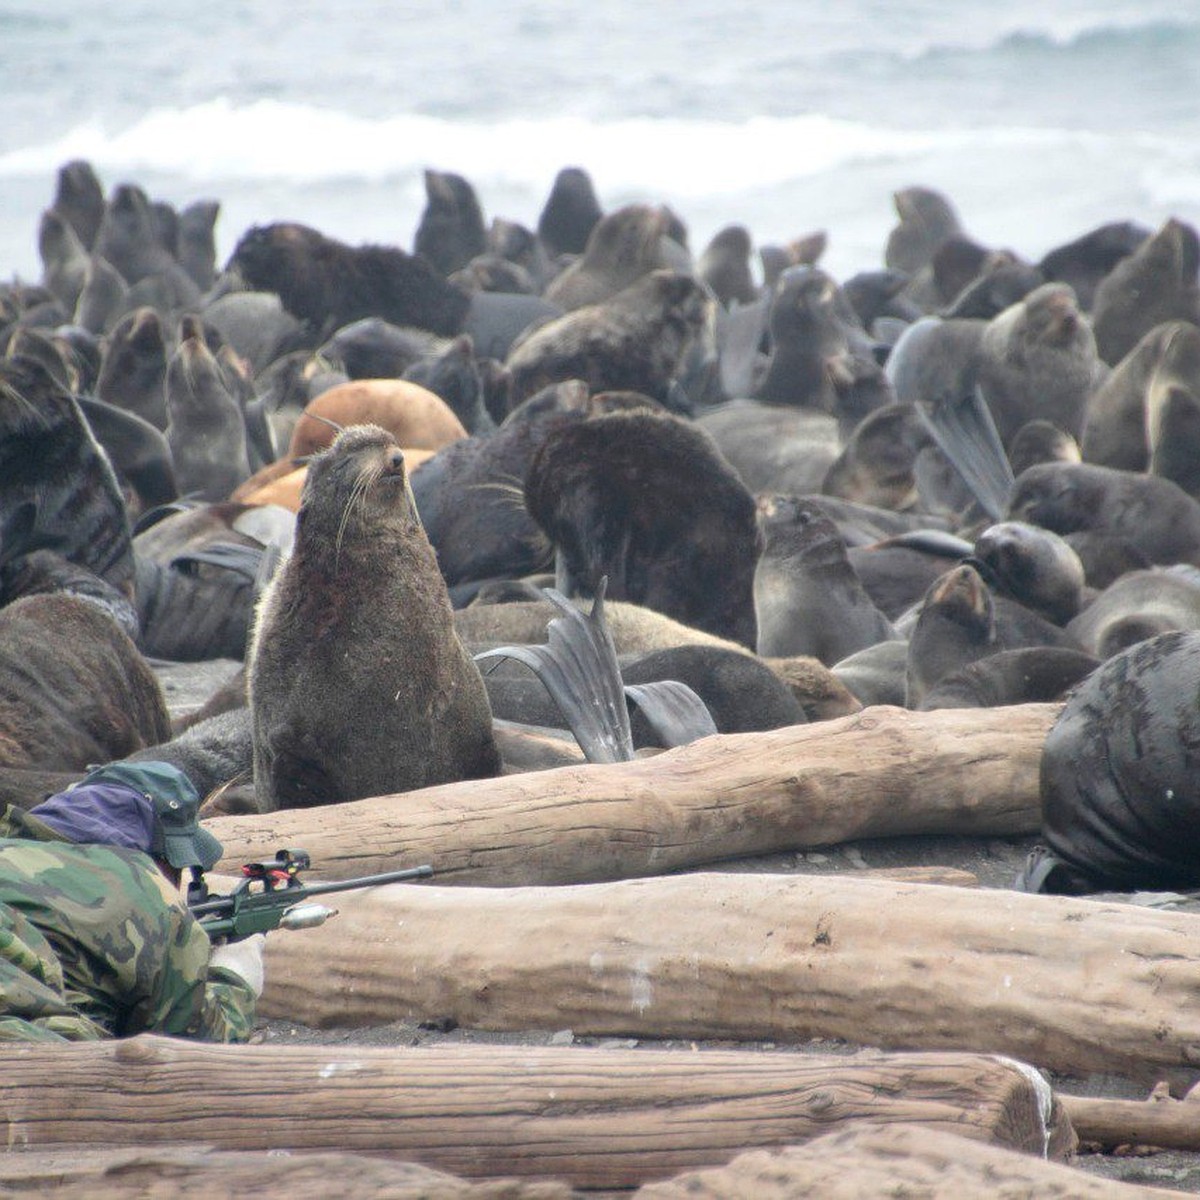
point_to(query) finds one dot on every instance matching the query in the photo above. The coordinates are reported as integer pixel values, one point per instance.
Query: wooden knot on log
(145, 1050)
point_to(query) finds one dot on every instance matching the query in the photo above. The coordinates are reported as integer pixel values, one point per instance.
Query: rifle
(271, 896)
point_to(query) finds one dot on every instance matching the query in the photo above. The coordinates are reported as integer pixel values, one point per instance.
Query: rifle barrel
(293, 895)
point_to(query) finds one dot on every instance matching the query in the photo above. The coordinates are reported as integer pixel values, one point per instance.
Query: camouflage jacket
(95, 943)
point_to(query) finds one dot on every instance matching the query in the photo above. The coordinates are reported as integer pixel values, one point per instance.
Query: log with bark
(1070, 984)
(594, 1117)
(895, 1160)
(878, 773)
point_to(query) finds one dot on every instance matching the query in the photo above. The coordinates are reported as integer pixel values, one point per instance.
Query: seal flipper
(578, 667)
(966, 433)
(673, 710)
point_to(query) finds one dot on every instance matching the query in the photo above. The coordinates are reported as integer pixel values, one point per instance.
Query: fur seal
(74, 689)
(451, 231)
(1156, 283)
(1084, 262)
(926, 220)
(103, 298)
(129, 238)
(58, 489)
(645, 499)
(724, 265)
(1038, 360)
(570, 213)
(133, 371)
(64, 259)
(1155, 515)
(197, 246)
(1040, 442)
(1120, 809)
(961, 622)
(359, 612)
(329, 284)
(876, 465)
(1138, 605)
(139, 453)
(413, 415)
(205, 426)
(622, 247)
(807, 597)
(636, 340)
(79, 198)
(1033, 566)
(774, 448)
(1030, 675)
(814, 333)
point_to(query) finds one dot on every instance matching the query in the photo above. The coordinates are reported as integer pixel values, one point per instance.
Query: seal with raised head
(451, 230)
(623, 246)
(570, 212)
(358, 684)
(808, 599)
(1156, 283)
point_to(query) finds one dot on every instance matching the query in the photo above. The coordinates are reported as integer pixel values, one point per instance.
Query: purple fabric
(106, 814)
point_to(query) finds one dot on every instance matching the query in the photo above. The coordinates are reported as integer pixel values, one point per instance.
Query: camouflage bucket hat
(177, 837)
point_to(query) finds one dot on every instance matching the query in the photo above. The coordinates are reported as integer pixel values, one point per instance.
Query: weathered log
(1070, 984)
(878, 773)
(1160, 1121)
(893, 1160)
(81, 1173)
(596, 1118)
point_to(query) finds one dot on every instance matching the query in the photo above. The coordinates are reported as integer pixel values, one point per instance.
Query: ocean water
(1039, 120)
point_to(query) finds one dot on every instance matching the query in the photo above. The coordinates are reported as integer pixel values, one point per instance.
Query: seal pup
(876, 464)
(1155, 515)
(1033, 566)
(637, 340)
(1156, 283)
(570, 213)
(1030, 675)
(646, 500)
(64, 259)
(926, 218)
(724, 265)
(451, 231)
(103, 297)
(814, 332)
(79, 199)
(133, 370)
(1040, 442)
(205, 426)
(622, 247)
(197, 246)
(807, 597)
(359, 615)
(960, 622)
(1038, 359)
(58, 489)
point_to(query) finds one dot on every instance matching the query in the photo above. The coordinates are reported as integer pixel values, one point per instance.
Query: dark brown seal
(646, 499)
(58, 489)
(636, 341)
(358, 683)
(450, 232)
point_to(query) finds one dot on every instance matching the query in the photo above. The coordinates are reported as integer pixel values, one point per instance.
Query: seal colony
(954, 455)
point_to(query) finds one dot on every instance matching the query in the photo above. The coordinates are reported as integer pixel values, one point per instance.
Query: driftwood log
(878, 773)
(81, 1173)
(1070, 984)
(592, 1117)
(894, 1160)
(1160, 1121)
